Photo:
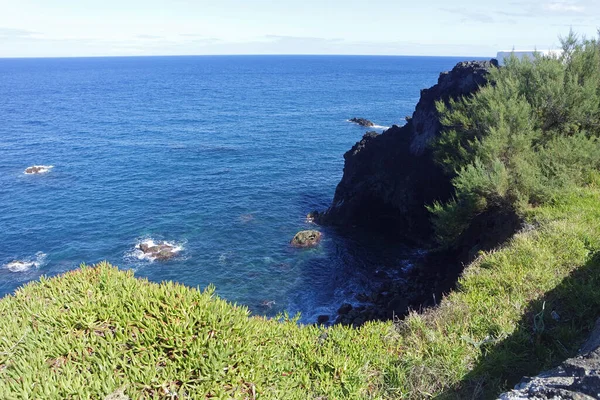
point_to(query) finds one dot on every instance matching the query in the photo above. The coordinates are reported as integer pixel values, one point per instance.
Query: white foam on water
(375, 126)
(26, 264)
(43, 169)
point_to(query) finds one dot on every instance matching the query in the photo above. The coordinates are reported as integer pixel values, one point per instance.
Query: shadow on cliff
(551, 330)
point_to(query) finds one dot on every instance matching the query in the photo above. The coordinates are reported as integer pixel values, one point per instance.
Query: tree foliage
(530, 133)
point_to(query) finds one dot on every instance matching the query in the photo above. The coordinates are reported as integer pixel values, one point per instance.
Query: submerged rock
(161, 251)
(345, 309)
(25, 264)
(308, 238)
(362, 122)
(20, 266)
(38, 169)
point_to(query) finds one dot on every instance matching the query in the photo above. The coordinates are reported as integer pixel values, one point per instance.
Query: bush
(526, 136)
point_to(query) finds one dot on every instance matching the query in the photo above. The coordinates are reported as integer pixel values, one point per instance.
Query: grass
(97, 330)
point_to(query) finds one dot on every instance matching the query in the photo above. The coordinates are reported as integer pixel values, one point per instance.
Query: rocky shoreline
(423, 285)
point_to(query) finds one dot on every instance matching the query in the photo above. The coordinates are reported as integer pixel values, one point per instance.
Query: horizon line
(235, 55)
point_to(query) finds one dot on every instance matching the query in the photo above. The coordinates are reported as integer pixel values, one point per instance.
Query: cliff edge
(390, 177)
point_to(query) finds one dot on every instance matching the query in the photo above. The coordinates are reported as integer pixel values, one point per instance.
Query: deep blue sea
(223, 156)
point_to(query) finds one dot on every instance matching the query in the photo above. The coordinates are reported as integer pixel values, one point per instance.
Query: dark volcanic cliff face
(389, 178)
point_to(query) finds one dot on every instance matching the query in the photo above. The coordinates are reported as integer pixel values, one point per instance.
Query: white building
(520, 54)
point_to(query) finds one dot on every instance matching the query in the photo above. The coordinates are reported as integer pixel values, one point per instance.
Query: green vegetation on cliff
(529, 141)
(521, 140)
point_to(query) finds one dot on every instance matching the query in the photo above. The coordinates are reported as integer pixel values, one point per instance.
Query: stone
(577, 378)
(322, 319)
(38, 169)
(308, 238)
(20, 266)
(345, 309)
(161, 251)
(362, 122)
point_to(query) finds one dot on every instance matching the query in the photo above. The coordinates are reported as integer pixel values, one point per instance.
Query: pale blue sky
(41, 28)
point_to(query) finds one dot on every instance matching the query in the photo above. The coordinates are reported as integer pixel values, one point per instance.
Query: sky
(77, 28)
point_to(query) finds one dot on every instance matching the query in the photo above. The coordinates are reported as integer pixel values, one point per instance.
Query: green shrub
(529, 134)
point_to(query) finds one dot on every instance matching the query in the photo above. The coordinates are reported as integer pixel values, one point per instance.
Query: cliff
(390, 177)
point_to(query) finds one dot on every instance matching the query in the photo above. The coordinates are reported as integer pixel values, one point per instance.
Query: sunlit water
(223, 156)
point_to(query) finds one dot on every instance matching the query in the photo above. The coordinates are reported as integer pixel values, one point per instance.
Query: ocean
(223, 156)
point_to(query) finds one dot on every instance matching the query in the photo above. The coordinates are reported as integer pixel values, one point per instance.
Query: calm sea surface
(223, 156)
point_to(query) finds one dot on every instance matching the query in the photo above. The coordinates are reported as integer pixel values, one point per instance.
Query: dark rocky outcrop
(577, 378)
(390, 177)
(161, 251)
(308, 238)
(362, 122)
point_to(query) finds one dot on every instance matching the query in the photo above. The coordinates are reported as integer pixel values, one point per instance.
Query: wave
(27, 263)
(38, 169)
(137, 253)
(382, 127)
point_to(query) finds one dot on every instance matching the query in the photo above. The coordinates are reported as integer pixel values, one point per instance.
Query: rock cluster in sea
(161, 251)
(362, 122)
(38, 169)
(19, 265)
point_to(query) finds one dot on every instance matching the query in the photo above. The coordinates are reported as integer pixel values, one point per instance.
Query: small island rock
(38, 169)
(306, 239)
(362, 122)
(19, 266)
(162, 251)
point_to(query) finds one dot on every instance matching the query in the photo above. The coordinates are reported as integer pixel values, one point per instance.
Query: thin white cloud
(469, 15)
(564, 6)
(10, 33)
(149, 37)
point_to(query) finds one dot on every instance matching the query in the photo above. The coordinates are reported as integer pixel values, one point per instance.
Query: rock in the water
(362, 122)
(161, 251)
(312, 217)
(577, 378)
(38, 169)
(345, 309)
(306, 239)
(20, 266)
(25, 264)
(322, 319)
